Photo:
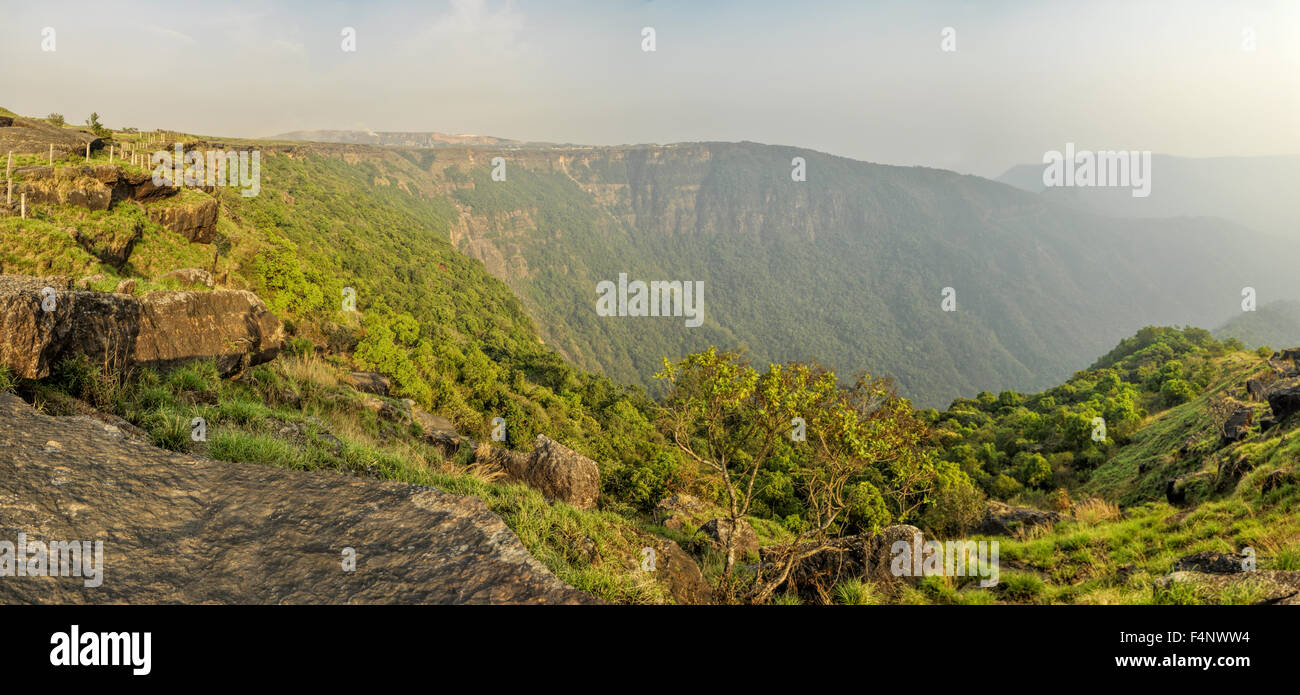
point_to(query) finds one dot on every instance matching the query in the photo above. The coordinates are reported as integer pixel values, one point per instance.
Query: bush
(957, 508)
(1004, 486)
(856, 592)
(1176, 391)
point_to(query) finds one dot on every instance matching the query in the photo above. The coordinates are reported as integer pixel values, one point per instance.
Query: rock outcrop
(1211, 563)
(1278, 479)
(196, 221)
(161, 330)
(35, 136)
(680, 574)
(558, 472)
(561, 473)
(92, 187)
(1270, 587)
(179, 529)
(1237, 426)
(192, 277)
(1284, 402)
(438, 430)
(1004, 520)
(368, 382)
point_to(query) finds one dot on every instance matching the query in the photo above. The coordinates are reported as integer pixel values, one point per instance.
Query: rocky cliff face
(181, 529)
(232, 327)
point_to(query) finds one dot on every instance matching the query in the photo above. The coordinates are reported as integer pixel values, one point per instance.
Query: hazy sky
(861, 79)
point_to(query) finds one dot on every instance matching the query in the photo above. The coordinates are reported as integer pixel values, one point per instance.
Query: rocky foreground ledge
(177, 528)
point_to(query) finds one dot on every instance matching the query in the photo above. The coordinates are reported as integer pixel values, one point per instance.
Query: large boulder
(1237, 426)
(438, 430)
(196, 221)
(1005, 520)
(719, 531)
(679, 573)
(561, 473)
(368, 382)
(180, 529)
(161, 330)
(558, 472)
(1284, 402)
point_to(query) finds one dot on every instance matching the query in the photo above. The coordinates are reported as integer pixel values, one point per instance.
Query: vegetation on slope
(456, 341)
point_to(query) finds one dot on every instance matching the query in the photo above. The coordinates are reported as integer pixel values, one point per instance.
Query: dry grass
(308, 368)
(484, 472)
(1095, 510)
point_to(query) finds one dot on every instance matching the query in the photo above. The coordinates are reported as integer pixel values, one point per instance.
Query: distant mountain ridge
(395, 139)
(1252, 191)
(1275, 324)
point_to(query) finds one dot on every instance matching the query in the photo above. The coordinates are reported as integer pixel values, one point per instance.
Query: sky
(864, 79)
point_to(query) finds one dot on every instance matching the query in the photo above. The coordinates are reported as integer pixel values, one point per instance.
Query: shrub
(1176, 391)
(1004, 486)
(957, 508)
(856, 592)
(55, 119)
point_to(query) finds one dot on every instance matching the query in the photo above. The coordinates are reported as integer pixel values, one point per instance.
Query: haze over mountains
(847, 267)
(363, 137)
(1257, 192)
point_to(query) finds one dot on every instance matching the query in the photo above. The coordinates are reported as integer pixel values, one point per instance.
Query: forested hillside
(848, 267)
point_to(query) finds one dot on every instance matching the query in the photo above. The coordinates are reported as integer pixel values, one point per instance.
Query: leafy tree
(96, 127)
(863, 455)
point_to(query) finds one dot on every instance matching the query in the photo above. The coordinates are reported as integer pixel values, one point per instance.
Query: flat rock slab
(181, 529)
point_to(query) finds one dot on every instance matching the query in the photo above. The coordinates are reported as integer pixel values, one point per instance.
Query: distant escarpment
(180, 529)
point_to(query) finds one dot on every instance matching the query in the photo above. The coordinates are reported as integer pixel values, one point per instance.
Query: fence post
(24, 205)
